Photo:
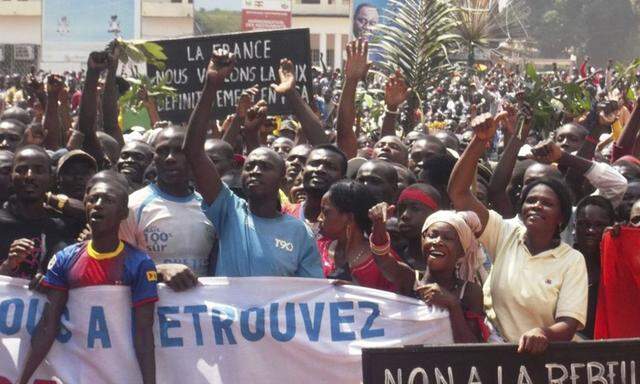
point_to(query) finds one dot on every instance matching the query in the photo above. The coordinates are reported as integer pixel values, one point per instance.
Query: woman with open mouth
(452, 255)
(536, 292)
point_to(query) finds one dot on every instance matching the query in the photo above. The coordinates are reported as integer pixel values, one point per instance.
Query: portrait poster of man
(365, 15)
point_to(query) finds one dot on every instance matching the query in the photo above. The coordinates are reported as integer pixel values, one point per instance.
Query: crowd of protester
(469, 209)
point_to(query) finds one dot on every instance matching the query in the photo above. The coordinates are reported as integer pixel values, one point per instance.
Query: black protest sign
(605, 362)
(258, 59)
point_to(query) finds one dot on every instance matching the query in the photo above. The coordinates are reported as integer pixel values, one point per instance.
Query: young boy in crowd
(104, 260)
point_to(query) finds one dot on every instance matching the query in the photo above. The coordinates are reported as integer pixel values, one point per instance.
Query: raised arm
(89, 105)
(609, 183)
(624, 145)
(150, 104)
(45, 333)
(244, 104)
(356, 69)
(64, 109)
(398, 273)
(51, 120)
(596, 124)
(463, 174)
(395, 93)
(497, 190)
(110, 97)
(207, 178)
(255, 118)
(311, 125)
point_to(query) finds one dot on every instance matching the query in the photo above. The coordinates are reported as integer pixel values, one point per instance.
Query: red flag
(618, 310)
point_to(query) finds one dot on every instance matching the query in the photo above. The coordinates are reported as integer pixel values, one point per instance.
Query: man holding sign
(104, 260)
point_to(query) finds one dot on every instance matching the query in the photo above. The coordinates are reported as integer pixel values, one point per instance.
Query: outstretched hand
(55, 84)
(33, 85)
(379, 213)
(220, 66)
(142, 94)
(485, 125)
(514, 114)
(357, 65)
(287, 78)
(256, 116)
(547, 152)
(395, 91)
(246, 101)
(98, 61)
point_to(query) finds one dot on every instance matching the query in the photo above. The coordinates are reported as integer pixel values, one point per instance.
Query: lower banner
(589, 362)
(227, 330)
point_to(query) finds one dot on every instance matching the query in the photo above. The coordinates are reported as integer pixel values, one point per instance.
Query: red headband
(418, 195)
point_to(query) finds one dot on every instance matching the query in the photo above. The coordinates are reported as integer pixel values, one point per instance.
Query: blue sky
(221, 4)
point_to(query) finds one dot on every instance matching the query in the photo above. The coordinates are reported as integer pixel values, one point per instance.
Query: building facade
(21, 28)
(328, 22)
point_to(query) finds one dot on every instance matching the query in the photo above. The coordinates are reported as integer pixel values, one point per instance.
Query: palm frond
(482, 21)
(415, 37)
(157, 88)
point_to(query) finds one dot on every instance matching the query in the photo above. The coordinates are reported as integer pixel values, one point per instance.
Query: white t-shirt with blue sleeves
(257, 246)
(171, 229)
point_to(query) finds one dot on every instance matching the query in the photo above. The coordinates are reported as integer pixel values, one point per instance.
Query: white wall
(20, 23)
(20, 30)
(165, 27)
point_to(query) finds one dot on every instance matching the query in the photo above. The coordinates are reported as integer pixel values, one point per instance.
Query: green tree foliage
(416, 37)
(602, 29)
(217, 21)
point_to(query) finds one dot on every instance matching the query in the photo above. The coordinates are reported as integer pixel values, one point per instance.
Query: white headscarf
(466, 224)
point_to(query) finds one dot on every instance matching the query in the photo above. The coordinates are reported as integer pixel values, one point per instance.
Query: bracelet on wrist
(380, 250)
(387, 111)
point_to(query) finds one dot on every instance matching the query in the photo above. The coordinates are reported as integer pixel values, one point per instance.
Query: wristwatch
(62, 201)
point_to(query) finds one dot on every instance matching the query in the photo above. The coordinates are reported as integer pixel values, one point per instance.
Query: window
(329, 60)
(315, 57)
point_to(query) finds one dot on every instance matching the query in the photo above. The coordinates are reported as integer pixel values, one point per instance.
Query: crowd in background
(462, 200)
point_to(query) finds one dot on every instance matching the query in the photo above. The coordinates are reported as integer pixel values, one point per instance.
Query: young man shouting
(104, 260)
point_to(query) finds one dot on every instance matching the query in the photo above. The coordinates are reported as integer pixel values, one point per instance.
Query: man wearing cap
(74, 170)
(289, 129)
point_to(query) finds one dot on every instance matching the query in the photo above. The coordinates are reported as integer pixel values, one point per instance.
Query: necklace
(357, 259)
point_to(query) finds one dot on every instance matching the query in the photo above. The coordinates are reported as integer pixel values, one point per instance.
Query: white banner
(227, 330)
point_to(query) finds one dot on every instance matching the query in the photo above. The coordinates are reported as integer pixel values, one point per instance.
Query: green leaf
(631, 95)
(155, 50)
(530, 70)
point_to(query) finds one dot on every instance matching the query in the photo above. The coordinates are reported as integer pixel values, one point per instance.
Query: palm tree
(416, 37)
(481, 22)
